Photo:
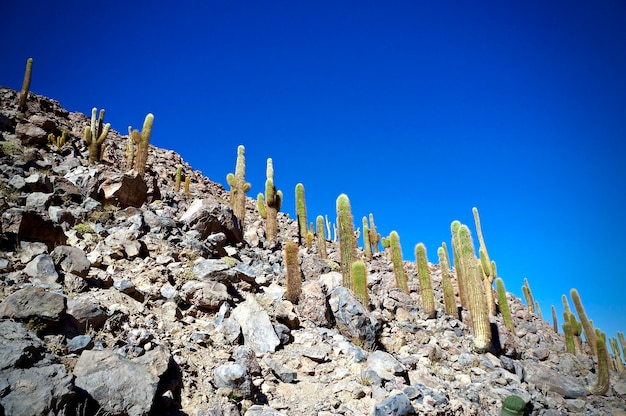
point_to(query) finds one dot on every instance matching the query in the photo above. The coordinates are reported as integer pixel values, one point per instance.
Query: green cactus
(141, 140)
(309, 239)
(622, 342)
(374, 236)
(582, 315)
(186, 187)
(95, 134)
(603, 383)
(513, 406)
(179, 171)
(301, 212)
(569, 337)
(398, 265)
(577, 329)
(460, 277)
(321, 237)
(367, 244)
(528, 295)
(270, 205)
(58, 141)
(359, 279)
(426, 284)
(347, 245)
(239, 186)
(555, 321)
(449, 301)
(487, 266)
(293, 274)
(477, 304)
(504, 305)
(21, 105)
(619, 365)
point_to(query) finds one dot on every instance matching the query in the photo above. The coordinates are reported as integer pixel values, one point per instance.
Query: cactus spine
(603, 383)
(504, 305)
(359, 279)
(239, 186)
(21, 105)
(475, 294)
(449, 301)
(588, 330)
(270, 205)
(95, 134)
(426, 284)
(301, 212)
(141, 140)
(347, 241)
(293, 274)
(367, 245)
(398, 265)
(321, 237)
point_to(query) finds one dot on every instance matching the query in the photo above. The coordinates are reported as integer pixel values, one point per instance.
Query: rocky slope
(122, 297)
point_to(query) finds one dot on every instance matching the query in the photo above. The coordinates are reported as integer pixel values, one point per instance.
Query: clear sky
(417, 110)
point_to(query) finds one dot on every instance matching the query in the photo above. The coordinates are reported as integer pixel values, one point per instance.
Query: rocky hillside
(120, 296)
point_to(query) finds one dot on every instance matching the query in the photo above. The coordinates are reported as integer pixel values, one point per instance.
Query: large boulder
(209, 216)
(353, 320)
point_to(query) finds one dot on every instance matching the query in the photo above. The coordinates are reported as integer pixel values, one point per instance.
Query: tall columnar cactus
(239, 186)
(528, 295)
(569, 337)
(21, 105)
(138, 145)
(622, 342)
(603, 383)
(582, 315)
(347, 244)
(426, 284)
(95, 134)
(619, 365)
(504, 305)
(449, 301)
(460, 276)
(367, 245)
(538, 309)
(301, 212)
(555, 321)
(293, 274)
(576, 329)
(270, 205)
(186, 186)
(488, 271)
(374, 236)
(179, 172)
(321, 237)
(475, 292)
(398, 264)
(359, 278)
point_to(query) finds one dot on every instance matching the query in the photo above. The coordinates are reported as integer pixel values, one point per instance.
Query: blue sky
(417, 110)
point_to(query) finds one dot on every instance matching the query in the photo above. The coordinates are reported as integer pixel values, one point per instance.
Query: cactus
(58, 141)
(396, 258)
(513, 406)
(293, 274)
(309, 239)
(179, 171)
(270, 205)
(528, 296)
(619, 365)
(139, 156)
(603, 383)
(582, 315)
(95, 134)
(622, 342)
(21, 105)
(347, 246)
(454, 228)
(538, 309)
(487, 266)
(301, 212)
(359, 280)
(321, 238)
(504, 305)
(374, 236)
(426, 284)
(239, 186)
(186, 187)
(449, 301)
(475, 294)
(555, 321)
(569, 337)
(367, 245)
(576, 328)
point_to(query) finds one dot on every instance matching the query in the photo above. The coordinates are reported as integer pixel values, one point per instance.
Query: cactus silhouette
(141, 140)
(374, 236)
(603, 383)
(367, 244)
(588, 329)
(321, 237)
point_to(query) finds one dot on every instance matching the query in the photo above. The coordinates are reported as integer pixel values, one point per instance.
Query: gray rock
(79, 343)
(259, 410)
(257, 329)
(385, 365)
(124, 189)
(235, 379)
(32, 226)
(33, 302)
(551, 380)
(31, 135)
(213, 270)
(86, 312)
(36, 391)
(119, 385)
(396, 405)
(71, 260)
(206, 295)
(38, 200)
(19, 346)
(208, 216)
(312, 304)
(353, 320)
(42, 268)
(280, 370)
(124, 243)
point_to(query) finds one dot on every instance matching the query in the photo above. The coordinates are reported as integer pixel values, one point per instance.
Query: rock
(24, 225)
(119, 385)
(71, 260)
(19, 346)
(208, 216)
(38, 201)
(258, 332)
(206, 295)
(31, 135)
(385, 366)
(124, 243)
(395, 405)
(312, 304)
(258, 410)
(33, 302)
(42, 268)
(284, 373)
(353, 320)
(551, 380)
(124, 189)
(79, 343)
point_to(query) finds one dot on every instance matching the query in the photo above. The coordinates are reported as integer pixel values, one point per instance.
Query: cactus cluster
(449, 300)
(95, 134)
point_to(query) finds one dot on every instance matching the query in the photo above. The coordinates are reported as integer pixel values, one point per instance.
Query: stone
(71, 260)
(19, 346)
(395, 405)
(257, 329)
(208, 216)
(124, 189)
(312, 304)
(283, 372)
(206, 295)
(28, 225)
(33, 302)
(42, 268)
(551, 380)
(353, 320)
